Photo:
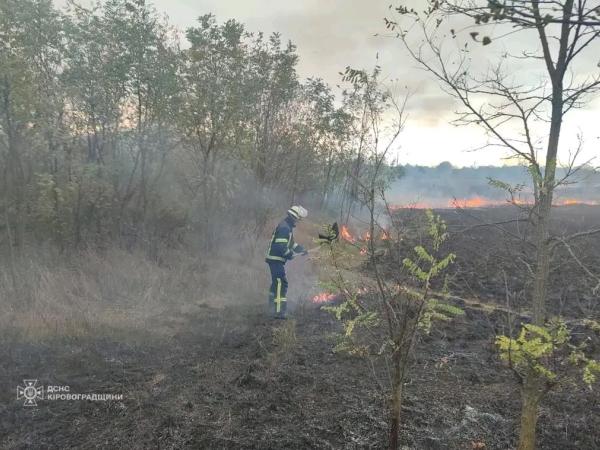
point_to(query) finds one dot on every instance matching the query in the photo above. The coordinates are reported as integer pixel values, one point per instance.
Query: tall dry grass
(47, 295)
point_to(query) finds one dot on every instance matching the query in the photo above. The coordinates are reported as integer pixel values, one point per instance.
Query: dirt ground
(222, 381)
(225, 378)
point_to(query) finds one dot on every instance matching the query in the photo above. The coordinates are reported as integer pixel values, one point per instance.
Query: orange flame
(366, 236)
(482, 202)
(323, 297)
(573, 202)
(384, 235)
(475, 202)
(346, 235)
(363, 251)
(568, 202)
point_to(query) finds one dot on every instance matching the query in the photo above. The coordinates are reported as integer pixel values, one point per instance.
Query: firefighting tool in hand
(329, 233)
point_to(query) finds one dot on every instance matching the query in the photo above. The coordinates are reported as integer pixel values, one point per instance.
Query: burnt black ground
(221, 379)
(222, 382)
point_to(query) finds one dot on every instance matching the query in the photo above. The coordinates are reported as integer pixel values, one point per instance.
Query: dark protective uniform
(281, 249)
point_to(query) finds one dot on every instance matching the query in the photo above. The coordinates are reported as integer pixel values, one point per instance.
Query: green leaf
(590, 370)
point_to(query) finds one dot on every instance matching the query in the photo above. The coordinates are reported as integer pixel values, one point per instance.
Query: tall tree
(30, 109)
(212, 115)
(151, 59)
(271, 86)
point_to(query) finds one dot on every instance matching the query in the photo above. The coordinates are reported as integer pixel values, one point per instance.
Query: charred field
(228, 377)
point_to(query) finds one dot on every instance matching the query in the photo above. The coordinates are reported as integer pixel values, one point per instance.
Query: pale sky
(332, 34)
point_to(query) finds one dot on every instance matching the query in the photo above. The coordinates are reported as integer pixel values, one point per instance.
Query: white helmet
(297, 212)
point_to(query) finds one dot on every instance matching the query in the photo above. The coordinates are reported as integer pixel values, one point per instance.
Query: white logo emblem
(30, 392)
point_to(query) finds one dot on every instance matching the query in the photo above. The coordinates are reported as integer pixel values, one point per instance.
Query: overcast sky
(332, 34)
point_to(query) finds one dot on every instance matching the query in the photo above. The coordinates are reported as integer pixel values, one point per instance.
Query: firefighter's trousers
(278, 291)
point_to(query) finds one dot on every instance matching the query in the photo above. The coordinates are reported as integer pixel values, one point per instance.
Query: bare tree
(524, 117)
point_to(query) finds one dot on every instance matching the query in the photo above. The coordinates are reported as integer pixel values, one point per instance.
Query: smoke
(439, 186)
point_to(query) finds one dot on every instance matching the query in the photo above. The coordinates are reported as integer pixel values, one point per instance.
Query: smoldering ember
(232, 224)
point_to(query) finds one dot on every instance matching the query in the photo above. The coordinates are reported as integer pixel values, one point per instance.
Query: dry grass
(90, 293)
(285, 343)
(94, 293)
(284, 337)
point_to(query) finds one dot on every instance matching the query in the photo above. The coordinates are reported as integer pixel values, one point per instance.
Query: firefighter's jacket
(282, 246)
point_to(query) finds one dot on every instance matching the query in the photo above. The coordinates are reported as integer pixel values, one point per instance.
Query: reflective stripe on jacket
(282, 246)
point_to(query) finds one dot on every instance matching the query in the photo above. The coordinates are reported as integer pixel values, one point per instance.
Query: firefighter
(281, 249)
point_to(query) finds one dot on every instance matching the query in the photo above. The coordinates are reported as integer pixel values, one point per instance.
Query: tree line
(115, 126)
